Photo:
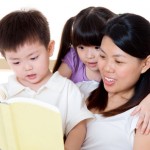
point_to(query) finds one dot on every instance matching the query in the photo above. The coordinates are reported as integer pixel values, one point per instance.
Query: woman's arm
(141, 141)
(76, 137)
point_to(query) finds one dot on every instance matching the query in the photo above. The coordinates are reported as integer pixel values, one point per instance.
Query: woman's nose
(109, 67)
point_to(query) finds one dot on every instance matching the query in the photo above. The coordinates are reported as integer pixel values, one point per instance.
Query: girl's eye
(33, 58)
(97, 47)
(80, 47)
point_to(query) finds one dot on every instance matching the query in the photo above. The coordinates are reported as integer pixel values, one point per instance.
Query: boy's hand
(144, 115)
(3, 94)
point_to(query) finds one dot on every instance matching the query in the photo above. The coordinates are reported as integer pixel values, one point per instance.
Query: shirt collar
(14, 86)
(55, 81)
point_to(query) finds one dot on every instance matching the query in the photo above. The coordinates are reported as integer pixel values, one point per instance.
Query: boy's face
(30, 63)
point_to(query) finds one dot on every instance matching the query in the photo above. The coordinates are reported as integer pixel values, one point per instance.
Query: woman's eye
(102, 56)
(118, 62)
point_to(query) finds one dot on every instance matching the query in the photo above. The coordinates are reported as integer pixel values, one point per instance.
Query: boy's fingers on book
(3, 95)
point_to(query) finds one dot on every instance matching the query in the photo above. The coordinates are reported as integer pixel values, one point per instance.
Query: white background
(58, 11)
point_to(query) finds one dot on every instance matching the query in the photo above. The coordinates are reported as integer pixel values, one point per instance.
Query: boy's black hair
(19, 27)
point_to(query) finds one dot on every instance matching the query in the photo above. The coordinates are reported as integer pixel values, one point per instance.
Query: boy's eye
(16, 63)
(33, 58)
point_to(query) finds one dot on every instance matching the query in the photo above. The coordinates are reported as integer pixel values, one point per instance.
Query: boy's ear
(51, 46)
(146, 65)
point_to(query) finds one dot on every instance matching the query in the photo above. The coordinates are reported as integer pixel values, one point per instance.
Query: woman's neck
(117, 99)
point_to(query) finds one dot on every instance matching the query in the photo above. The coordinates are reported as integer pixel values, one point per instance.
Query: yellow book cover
(28, 124)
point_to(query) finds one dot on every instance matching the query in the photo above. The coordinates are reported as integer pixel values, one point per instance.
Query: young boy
(25, 44)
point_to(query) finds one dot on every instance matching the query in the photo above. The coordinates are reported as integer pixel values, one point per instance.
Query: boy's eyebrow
(13, 58)
(32, 53)
(26, 56)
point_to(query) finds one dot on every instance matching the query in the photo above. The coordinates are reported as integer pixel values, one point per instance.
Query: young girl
(79, 48)
(124, 63)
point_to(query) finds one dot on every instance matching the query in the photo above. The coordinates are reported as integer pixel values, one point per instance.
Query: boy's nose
(28, 67)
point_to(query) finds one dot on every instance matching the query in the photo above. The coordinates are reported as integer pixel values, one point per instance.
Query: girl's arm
(141, 141)
(64, 70)
(144, 120)
(76, 137)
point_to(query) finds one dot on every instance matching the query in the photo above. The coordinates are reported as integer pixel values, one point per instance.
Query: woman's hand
(144, 115)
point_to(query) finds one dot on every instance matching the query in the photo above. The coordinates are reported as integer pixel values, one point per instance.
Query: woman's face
(119, 70)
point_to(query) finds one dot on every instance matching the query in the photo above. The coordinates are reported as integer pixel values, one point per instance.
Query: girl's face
(89, 56)
(119, 70)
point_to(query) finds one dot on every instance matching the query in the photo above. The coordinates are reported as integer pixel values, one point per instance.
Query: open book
(27, 124)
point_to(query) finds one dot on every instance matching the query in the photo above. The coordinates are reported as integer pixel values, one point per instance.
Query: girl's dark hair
(85, 28)
(131, 33)
(65, 43)
(88, 24)
(19, 27)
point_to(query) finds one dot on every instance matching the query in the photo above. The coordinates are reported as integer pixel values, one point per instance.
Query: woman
(124, 64)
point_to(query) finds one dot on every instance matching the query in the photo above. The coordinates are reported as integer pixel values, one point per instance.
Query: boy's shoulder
(10, 86)
(60, 83)
(11, 80)
(59, 79)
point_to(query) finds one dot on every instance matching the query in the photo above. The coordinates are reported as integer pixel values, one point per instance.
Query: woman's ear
(146, 65)
(51, 46)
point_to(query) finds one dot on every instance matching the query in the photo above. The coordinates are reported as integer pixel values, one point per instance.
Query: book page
(37, 126)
